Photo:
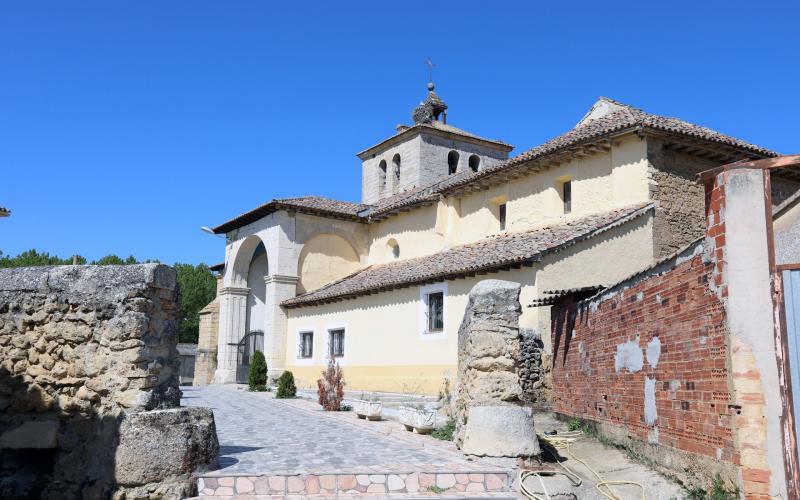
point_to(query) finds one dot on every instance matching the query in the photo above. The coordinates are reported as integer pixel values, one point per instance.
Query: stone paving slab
(260, 435)
(390, 496)
(354, 484)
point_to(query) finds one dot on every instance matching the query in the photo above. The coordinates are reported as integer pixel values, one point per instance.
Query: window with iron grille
(306, 344)
(336, 343)
(435, 311)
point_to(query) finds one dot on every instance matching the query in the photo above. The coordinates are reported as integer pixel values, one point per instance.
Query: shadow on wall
(89, 398)
(63, 453)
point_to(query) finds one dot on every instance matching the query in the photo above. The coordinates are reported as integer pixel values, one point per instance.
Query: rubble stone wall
(86, 352)
(534, 368)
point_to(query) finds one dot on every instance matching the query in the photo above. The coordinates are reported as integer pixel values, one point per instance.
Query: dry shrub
(330, 388)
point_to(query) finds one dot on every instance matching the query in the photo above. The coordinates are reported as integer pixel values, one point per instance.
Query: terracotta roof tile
(622, 119)
(494, 253)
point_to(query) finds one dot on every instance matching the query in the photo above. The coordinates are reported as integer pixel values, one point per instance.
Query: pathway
(293, 447)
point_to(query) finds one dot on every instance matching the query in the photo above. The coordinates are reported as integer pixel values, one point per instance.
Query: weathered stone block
(161, 444)
(500, 431)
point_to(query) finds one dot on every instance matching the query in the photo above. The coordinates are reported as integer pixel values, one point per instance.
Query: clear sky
(127, 125)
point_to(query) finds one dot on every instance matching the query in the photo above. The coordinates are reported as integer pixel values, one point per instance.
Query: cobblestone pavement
(262, 435)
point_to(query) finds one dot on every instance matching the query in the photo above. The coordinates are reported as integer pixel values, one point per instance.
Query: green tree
(114, 260)
(198, 288)
(286, 386)
(30, 258)
(257, 377)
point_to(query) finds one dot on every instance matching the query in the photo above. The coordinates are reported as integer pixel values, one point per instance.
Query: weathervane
(430, 66)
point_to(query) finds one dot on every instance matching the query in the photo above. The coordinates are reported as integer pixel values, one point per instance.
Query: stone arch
(241, 262)
(396, 172)
(325, 257)
(452, 162)
(474, 163)
(250, 268)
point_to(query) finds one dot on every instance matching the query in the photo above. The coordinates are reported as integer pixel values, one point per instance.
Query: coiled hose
(562, 442)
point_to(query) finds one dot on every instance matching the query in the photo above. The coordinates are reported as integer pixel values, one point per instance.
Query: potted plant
(421, 418)
(369, 407)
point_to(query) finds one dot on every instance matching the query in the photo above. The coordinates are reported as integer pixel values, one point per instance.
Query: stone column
(232, 324)
(279, 288)
(491, 419)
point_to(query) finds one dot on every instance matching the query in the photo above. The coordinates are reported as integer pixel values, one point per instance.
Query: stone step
(417, 483)
(368, 496)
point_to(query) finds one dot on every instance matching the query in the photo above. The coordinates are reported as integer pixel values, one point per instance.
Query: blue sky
(125, 126)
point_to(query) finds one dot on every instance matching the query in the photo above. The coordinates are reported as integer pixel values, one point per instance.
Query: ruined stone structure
(680, 362)
(89, 386)
(490, 418)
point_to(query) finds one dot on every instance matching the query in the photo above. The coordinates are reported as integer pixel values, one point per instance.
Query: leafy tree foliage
(286, 386)
(113, 260)
(198, 286)
(257, 377)
(31, 258)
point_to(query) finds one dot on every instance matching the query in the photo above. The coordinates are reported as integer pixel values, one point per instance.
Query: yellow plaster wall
(384, 347)
(414, 231)
(323, 259)
(600, 183)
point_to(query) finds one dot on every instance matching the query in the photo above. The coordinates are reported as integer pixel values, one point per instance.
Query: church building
(382, 285)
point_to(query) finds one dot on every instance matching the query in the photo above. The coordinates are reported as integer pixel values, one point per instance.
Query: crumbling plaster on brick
(629, 357)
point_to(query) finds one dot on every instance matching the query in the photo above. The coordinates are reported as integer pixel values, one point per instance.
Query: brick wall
(679, 361)
(665, 332)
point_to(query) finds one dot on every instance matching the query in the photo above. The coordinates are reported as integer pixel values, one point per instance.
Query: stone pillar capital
(281, 279)
(234, 290)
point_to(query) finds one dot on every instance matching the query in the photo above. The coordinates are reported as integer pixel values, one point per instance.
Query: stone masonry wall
(89, 385)
(680, 214)
(534, 369)
(681, 199)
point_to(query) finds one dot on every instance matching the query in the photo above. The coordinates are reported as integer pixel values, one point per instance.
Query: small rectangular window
(336, 343)
(567, 196)
(503, 217)
(306, 344)
(435, 311)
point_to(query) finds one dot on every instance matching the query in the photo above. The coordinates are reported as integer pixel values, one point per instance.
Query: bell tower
(420, 154)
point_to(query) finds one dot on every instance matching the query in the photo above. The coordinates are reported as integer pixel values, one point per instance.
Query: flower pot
(423, 420)
(371, 410)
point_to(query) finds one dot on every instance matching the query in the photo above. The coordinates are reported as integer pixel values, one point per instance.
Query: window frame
(426, 333)
(329, 329)
(310, 335)
(566, 196)
(502, 215)
(299, 358)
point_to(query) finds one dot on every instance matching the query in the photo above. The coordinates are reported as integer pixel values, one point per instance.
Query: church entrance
(252, 342)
